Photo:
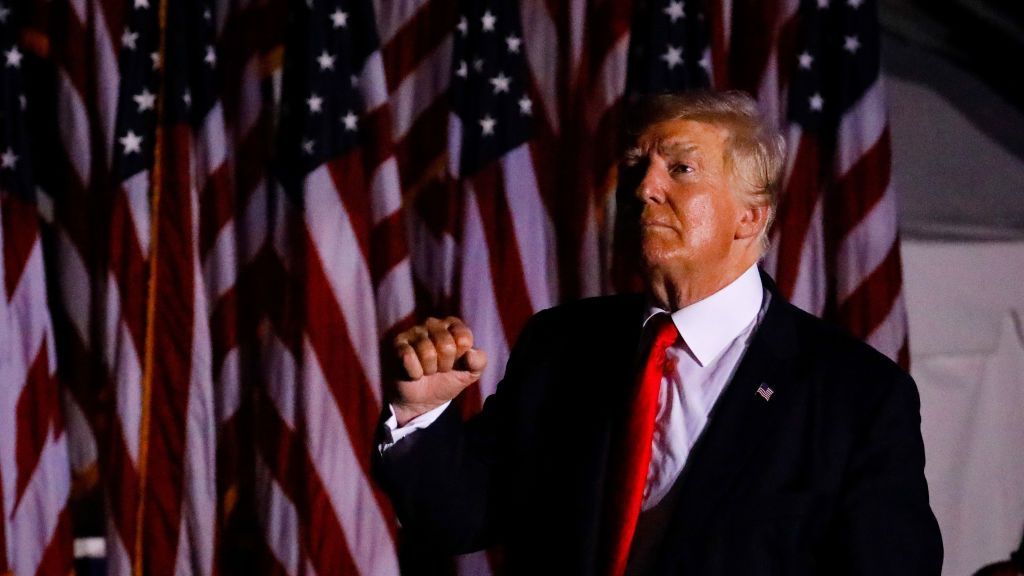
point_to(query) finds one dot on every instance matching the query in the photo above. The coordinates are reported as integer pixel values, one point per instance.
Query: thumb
(473, 361)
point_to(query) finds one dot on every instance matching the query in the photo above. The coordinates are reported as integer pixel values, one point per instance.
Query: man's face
(689, 214)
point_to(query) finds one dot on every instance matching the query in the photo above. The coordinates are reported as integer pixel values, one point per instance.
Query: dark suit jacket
(827, 477)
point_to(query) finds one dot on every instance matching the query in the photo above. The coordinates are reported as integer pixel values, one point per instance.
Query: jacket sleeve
(885, 524)
(446, 481)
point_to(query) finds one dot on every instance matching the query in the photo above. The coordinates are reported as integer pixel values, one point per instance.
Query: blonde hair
(754, 151)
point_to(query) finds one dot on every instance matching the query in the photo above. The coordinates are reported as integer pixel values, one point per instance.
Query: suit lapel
(739, 421)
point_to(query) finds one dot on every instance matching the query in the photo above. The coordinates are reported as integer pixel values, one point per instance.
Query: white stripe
(136, 192)
(34, 521)
(864, 249)
(809, 290)
(82, 451)
(280, 229)
(122, 362)
(107, 69)
(229, 394)
(454, 145)
(421, 87)
(385, 191)
(253, 234)
(535, 232)
(74, 134)
(372, 84)
(475, 564)
(80, 11)
(118, 562)
(220, 269)
(395, 297)
(281, 377)
(199, 503)
(348, 276)
(541, 40)
(74, 285)
(393, 14)
(479, 305)
(889, 335)
(28, 310)
(577, 26)
(211, 146)
(336, 463)
(279, 520)
(862, 126)
(611, 82)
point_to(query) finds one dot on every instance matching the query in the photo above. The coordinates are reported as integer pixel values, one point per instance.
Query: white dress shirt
(715, 333)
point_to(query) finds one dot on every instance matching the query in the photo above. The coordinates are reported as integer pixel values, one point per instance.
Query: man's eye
(681, 169)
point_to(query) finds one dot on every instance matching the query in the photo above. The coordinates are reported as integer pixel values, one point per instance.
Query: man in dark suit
(779, 444)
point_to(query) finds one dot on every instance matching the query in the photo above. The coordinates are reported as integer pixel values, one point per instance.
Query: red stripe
(128, 265)
(38, 417)
(506, 269)
(861, 188)
(290, 464)
(796, 209)
(216, 208)
(375, 137)
(20, 229)
(348, 173)
(417, 39)
(223, 328)
(423, 149)
(71, 47)
(121, 483)
(171, 373)
(58, 558)
(870, 304)
(326, 328)
(388, 245)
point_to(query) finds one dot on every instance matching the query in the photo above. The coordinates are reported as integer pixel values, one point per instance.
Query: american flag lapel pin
(765, 391)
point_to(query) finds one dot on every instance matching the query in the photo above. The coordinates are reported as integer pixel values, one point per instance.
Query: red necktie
(633, 456)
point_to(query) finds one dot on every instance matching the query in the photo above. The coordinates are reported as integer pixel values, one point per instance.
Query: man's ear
(752, 220)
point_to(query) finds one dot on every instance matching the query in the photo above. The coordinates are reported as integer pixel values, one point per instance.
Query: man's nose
(651, 188)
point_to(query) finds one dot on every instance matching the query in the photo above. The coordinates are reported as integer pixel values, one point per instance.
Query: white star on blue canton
(14, 57)
(339, 18)
(674, 10)
(851, 44)
(673, 56)
(8, 159)
(326, 61)
(500, 82)
(488, 20)
(129, 38)
(487, 125)
(132, 142)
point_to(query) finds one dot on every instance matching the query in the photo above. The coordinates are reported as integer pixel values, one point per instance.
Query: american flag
(35, 482)
(836, 245)
(245, 198)
(340, 236)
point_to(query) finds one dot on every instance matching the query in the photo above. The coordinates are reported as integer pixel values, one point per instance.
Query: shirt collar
(708, 326)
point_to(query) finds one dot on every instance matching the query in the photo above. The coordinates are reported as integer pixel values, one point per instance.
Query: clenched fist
(437, 361)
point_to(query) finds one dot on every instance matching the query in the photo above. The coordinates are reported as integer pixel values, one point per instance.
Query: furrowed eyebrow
(677, 148)
(632, 155)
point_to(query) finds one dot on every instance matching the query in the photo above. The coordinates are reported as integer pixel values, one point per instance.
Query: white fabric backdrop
(966, 306)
